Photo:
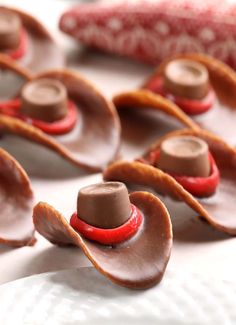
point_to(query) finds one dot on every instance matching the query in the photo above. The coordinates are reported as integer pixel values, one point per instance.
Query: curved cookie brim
(145, 99)
(219, 120)
(43, 52)
(16, 202)
(8, 64)
(218, 209)
(138, 263)
(95, 140)
(13, 76)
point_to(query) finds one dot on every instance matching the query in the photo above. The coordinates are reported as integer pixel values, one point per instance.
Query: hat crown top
(104, 205)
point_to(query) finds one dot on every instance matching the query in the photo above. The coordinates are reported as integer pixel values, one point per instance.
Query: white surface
(208, 254)
(85, 297)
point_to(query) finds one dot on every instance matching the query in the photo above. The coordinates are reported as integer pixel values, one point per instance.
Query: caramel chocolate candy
(186, 78)
(10, 28)
(185, 155)
(44, 99)
(104, 205)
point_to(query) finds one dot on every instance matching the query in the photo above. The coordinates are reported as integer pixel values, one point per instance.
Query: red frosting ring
(62, 126)
(197, 186)
(189, 106)
(109, 236)
(21, 50)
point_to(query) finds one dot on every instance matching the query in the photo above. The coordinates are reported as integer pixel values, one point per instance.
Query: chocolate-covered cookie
(134, 250)
(16, 203)
(139, 125)
(24, 39)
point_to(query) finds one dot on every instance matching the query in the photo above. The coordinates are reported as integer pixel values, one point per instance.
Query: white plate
(83, 296)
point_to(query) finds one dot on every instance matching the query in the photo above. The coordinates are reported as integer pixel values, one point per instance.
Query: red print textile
(150, 31)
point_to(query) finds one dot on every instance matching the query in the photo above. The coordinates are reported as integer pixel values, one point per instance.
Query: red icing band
(66, 124)
(109, 236)
(21, 50)
(189, 106)
(197, 186)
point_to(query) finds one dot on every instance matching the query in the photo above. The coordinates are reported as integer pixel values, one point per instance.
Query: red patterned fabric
(153, 30)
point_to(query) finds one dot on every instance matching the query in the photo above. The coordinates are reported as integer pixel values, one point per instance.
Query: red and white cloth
(151, 30)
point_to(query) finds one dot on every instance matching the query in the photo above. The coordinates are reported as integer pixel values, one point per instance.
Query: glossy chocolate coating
(185, 155)
(186, 78)
(104, 205)
(138, 263)
(10, 27)
(44, 99)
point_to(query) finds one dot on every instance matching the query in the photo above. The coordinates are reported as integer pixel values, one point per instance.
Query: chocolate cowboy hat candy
(203, 87)
(193, 166)
(24, 39)
(128, 238)
(16, 202)
(65, 113)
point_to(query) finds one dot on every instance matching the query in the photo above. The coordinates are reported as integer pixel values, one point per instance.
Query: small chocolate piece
(186, 78)
(185, 155)
(44, 99)
(10, 28)
(104, 205)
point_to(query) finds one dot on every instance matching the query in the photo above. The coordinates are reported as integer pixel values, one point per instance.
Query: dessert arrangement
(122, 225)
(24, 39)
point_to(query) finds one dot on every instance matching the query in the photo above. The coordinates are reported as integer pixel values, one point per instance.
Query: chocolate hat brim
(7, 63)
(219, 210)
(145, 100)
(13, 76)
(137, 263)
(94, 142)
(223, 80)
(44, 53)
(16, 202)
